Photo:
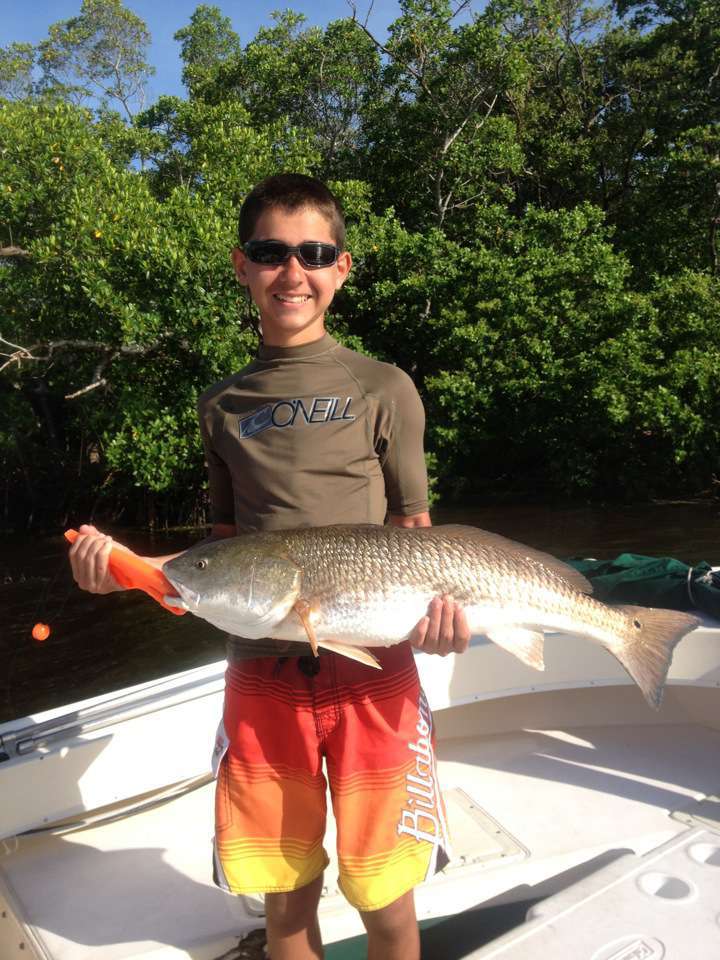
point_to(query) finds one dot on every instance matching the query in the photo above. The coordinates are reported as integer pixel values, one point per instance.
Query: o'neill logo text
(286, 413)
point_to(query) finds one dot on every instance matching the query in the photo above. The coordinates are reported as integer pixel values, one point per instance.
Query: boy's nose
(292, 266)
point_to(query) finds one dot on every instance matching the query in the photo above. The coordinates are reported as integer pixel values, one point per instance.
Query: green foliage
(217, 151)
(436, 135)
(16, 71)
(533, 205)
(141, 291)
(504, 339)
(206, 42)
(101, 52)
(318, 80)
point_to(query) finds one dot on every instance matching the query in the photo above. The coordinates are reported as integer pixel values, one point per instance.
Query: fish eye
(637, 624)
(200, 564)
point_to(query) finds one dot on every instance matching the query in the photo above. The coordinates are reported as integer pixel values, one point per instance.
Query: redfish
(351, 587)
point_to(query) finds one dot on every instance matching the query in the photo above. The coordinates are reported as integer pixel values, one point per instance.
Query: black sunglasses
(310, 254)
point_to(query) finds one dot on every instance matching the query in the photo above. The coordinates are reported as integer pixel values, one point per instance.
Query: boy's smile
(292, 299)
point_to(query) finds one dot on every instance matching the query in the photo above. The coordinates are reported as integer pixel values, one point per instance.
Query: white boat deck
(664, 904)
(541, 788)
(141, 887)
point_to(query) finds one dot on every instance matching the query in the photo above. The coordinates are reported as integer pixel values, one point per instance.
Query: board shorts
(374, 731)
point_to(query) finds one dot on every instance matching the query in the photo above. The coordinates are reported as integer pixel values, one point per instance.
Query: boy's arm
(417, 520)
(444, 630)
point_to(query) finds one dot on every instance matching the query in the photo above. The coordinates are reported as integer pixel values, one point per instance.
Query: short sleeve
(222, 500)
(402, 453)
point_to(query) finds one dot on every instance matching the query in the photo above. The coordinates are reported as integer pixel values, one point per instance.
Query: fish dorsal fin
(571, 576)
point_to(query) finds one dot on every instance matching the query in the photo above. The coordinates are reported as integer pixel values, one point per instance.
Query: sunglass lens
(273, 252)
(267, 252)
(318, 254)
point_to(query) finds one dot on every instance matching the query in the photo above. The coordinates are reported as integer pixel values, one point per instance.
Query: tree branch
(91, 386)
(383, 49)
(22, 355)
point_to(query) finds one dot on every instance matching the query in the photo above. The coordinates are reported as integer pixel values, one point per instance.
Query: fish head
(236, 584)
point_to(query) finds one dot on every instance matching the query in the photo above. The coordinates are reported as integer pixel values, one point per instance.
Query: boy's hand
(89, 561)
(444, 630)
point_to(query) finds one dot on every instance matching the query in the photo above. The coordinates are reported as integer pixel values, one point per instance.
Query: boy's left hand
(444, 630)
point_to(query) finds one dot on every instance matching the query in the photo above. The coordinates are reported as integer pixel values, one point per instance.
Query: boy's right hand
(89, 557)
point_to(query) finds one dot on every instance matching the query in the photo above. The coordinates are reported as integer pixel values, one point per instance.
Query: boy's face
(292, 299)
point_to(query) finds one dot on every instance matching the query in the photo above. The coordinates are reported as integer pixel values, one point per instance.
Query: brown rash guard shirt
(310, 436)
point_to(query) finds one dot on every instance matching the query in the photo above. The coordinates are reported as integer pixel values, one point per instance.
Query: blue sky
(28, 22)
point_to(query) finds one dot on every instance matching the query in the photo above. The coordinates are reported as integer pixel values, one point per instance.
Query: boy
(309, 434)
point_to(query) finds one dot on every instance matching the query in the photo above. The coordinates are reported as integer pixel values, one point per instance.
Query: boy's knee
(393, 922)
(294, 910)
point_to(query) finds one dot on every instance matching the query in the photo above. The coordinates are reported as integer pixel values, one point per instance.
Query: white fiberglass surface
(112, 891)
(564, 798)
(119, 890)
(557, 791)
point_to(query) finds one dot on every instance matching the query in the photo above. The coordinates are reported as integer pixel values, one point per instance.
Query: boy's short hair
(291, 191)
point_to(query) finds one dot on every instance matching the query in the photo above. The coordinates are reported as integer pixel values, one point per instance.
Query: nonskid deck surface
(562, 799)
(663, 904)
(524, 807)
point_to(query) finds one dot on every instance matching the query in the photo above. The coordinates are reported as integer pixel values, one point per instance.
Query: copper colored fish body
(347, 588)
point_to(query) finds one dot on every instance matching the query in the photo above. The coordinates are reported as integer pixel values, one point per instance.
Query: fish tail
(646, 648)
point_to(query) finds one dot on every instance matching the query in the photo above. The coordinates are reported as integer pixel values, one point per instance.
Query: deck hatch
(476, 837)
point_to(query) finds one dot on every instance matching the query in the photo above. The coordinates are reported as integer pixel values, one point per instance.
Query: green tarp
(653, 582)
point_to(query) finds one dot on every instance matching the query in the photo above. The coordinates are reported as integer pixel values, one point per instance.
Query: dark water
(99, 644)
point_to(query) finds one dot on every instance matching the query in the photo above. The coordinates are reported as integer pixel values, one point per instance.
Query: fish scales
(356, 586)
(468, 570)
(379, 564)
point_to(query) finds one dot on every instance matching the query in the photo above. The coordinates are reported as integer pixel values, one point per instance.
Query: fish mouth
(187, 600)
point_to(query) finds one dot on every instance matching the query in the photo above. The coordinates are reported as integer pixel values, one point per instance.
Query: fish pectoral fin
(526, 645)
(303, 609)
(361, 654)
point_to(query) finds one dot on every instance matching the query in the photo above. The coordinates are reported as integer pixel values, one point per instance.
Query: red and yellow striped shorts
(374, 731)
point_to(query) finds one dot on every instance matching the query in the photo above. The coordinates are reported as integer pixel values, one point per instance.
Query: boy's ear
(238, 261)
(344, 262)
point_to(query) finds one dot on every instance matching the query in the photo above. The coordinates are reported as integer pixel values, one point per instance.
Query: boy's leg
(393, 931)
(270, 802)
(293, 931)
(391, 828)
